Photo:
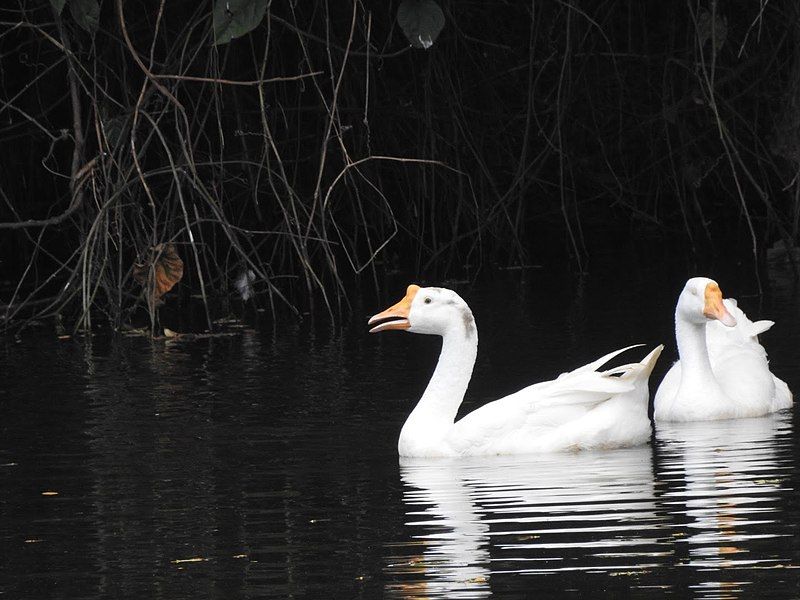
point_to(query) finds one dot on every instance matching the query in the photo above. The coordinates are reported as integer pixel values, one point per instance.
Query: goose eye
(427, 300)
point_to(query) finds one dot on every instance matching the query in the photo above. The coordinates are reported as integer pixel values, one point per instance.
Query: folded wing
(539, 410)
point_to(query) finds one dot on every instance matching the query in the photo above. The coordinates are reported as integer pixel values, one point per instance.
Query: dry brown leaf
(159, 272)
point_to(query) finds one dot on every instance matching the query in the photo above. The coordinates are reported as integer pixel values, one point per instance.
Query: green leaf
(58, 5)
(421, 20)
(86, 14)
(234, 18)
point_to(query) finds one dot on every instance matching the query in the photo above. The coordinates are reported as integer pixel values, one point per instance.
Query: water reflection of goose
(724, 481)
(589, 512)
(442, 513)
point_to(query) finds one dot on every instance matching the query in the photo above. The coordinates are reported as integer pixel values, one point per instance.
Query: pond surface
(264, 465)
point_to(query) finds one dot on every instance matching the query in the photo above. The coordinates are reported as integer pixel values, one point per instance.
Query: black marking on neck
(469, 322)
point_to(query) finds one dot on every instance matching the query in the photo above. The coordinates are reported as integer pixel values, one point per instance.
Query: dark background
(541, 133)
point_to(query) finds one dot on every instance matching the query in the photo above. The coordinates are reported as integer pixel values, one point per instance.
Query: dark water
(264, 465)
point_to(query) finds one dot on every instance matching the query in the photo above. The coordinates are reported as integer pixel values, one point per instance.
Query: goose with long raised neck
(581, 409)
(722, 371)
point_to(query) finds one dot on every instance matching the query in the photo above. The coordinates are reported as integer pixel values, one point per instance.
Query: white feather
(739, 382)
(583, 408)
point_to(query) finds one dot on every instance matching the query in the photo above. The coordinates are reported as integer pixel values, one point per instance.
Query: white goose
(723, 371)
(581, 409)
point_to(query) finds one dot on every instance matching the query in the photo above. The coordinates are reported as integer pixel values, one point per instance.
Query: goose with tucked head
(723, 371)
(584, 408)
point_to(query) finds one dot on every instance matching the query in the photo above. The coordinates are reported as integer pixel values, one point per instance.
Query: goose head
(701, 301)
(428, 310)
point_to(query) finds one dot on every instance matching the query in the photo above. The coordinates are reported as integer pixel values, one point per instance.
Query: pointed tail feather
(593, 366)
(760, 327)
(649, 361)
(587, 384)
(640, 370)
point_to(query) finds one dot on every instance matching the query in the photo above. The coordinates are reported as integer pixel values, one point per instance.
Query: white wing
(744, 334)
(740, 365)
(517, 421)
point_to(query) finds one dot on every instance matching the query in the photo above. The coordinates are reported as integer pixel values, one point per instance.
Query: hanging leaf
(58, 5)
(421, 20)
(234, 18)
(158, 272)
(86, 14)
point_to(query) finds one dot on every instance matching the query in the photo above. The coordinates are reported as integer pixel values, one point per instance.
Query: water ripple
(701, 509)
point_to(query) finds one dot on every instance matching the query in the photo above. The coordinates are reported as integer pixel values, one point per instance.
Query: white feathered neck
(435, 413)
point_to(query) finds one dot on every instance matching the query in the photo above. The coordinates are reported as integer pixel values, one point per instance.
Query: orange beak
(395, 317)
(714, 307)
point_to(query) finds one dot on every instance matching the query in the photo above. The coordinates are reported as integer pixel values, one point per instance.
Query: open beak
(395, 317)
(715, 308)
